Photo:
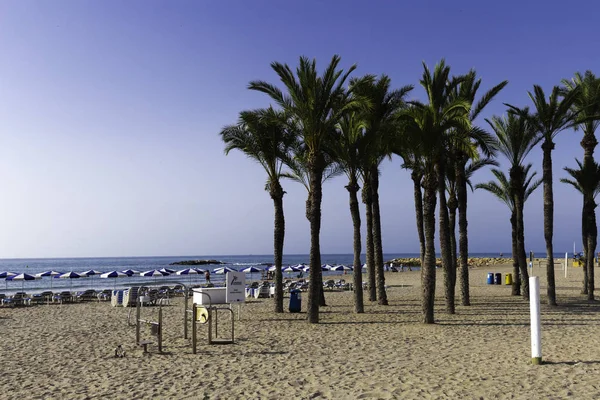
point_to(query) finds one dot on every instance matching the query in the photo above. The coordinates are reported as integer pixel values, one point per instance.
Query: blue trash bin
(490, 278)
(498, 280)
(295, 300)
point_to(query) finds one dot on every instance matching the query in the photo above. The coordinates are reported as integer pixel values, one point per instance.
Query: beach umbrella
(167, 270)
(69, 275)
(154, 273)
(90, 272)
(341, 268)
(6, 274)
(223, 270)
(113, 274)
(272, 268)
(190, 272)
(289, 269)
(50, 274)
(130, 272)
(251, 270)
(22, 278)
(200, 270)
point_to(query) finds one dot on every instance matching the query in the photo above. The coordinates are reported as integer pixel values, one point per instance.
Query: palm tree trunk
(588, 143)
(428, 268)
(516, 286)
(519, 196)
(366, 198)
(463, 239)
(357, 273)
(278, 238)
(584, 240)
(547, 148)
(417, 178)
(315, 286)
(377, 242)
(447, 264)
(592, 236)
(452, 206)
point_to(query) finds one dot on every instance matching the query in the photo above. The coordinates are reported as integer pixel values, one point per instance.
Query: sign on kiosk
(235, 287)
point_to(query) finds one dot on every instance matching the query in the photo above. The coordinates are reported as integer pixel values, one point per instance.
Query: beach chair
(263, 292)
(87, 295)
(329, 284)
(130, 296)
(104, 295)
(116, 298)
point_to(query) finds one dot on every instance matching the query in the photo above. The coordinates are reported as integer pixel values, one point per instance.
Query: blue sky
(110, 113)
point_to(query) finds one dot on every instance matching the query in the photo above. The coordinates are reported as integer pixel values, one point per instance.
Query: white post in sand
(536, 329)
(566, 263)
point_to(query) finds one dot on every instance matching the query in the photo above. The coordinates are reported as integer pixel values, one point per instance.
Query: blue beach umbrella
(114, 275)
(190, 272)
(167, 270)
(5, 275)
(289, 269)
(223, 270)
(251, 270)
(22, 278)
(69, 275)
(130, 272)
(50, 274)
(154, 273)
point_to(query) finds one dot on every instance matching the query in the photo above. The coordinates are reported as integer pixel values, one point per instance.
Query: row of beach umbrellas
(11, 276)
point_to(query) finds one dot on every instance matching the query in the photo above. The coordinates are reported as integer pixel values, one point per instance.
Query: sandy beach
(67, 351)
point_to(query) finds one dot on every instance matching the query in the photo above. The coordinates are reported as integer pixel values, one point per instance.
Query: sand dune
(481, 352)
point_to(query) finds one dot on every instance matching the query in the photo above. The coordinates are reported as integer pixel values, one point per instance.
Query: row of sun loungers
(126, 297)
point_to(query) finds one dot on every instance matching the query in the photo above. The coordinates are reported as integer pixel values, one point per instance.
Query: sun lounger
(130, 296)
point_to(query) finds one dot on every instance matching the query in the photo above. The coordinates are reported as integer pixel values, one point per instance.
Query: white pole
(566, 262)
(536, 329)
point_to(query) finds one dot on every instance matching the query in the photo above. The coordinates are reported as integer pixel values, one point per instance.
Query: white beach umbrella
(70, 275)
(167, 270)
(223, 270)
(290, 269)
(189, 272)
(155, 273)
(50, 274)
(130, 272)
(22, 278)
(251, 270)
(114, 275)
(5, 275)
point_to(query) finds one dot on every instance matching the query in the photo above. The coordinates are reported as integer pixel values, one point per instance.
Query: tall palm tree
(502, 188)
(451, 187)
(348, 151)
(425, 127)
(552, 115)
(439, 90)
(516, 136)
(468, 89)
(317, 103)
(262, 136)
(381, 135)
(586, 179)
(299, 171)
(415, 165)
(587, 105)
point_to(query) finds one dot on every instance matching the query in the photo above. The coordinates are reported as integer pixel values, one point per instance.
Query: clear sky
(110, 113)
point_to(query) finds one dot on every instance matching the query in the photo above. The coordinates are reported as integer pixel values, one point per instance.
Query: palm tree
(439, 93)
(587, 105)
(348, 152)
(468, 89)
(262, 136)
(516, 136)
(586, 179)
(425, 127)
(415, 165)
(299, 172)
(551, 117)
(317, 103)
(502, 188)
(451, 188)
(381, 135)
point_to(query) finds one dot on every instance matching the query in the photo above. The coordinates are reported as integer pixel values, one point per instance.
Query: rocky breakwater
(472, 262)
(197, 262)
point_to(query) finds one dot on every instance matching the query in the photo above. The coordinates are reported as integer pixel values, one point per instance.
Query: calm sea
(37, 265)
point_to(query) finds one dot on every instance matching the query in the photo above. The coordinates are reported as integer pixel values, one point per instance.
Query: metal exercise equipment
(201, 314)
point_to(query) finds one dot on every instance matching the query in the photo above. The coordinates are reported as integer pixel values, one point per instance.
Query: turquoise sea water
(36, 265)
